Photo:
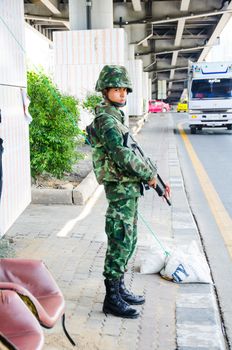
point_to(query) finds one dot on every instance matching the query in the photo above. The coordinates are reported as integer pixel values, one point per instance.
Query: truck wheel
(229, 127)
(193, 130)
(199, 128)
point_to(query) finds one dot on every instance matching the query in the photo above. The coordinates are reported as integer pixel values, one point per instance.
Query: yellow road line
(218, 210)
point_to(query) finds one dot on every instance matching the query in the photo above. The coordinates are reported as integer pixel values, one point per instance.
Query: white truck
(210, 95)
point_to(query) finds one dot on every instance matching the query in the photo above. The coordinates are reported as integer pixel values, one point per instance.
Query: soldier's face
(118, 95)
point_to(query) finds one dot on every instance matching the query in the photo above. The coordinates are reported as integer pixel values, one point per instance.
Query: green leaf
(54, 129)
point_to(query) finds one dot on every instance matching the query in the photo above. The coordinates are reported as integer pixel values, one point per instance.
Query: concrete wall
(223, 51)
(14, 129)
(80, 56)
(145, 91)
(135, 100)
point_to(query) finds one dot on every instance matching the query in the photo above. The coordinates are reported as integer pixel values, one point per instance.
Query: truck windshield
(211, 88)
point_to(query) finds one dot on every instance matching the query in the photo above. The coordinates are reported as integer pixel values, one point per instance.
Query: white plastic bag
(153, 261)
(186, 266)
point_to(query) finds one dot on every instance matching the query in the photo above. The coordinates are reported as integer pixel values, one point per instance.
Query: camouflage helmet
(112, 76)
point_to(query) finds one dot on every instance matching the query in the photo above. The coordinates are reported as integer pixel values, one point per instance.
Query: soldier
(122, 173)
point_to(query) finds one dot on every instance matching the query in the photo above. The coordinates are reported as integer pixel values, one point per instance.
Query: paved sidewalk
(72, 243)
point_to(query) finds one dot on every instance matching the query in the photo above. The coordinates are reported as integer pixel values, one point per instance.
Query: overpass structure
(164, 34)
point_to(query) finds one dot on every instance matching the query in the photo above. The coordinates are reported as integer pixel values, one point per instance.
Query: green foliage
(53, 131)
(91, 101)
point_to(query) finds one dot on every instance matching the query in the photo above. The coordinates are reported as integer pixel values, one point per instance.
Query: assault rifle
(160, 188)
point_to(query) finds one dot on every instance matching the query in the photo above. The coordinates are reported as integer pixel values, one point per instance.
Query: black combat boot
(129, 297)
(114, 304)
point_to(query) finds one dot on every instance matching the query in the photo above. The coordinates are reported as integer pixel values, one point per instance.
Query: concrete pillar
(131, 52)
(102, 14)
(77, 14)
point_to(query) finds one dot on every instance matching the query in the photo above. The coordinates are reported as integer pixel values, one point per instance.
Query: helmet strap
(117, 104)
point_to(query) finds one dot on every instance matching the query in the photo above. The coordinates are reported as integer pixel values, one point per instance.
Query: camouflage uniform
(121, 172)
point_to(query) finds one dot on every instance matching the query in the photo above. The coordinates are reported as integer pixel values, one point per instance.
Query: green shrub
(53, 131)
(91, 101)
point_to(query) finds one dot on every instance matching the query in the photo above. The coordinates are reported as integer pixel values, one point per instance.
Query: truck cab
(210, 95)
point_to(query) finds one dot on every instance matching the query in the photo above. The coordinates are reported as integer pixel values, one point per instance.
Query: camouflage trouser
(121, 230)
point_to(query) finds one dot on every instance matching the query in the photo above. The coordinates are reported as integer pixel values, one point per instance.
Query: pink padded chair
(19, 329)
(36, 286)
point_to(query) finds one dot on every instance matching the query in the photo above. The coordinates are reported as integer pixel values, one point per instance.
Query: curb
(85, 189)
(78, 196)
(197, 320)
(198, 323)
(51, 196)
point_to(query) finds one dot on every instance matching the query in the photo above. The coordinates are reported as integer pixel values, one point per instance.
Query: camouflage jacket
(115, 165)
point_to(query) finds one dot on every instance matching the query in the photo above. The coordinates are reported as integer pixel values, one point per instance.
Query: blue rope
(166, 253)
